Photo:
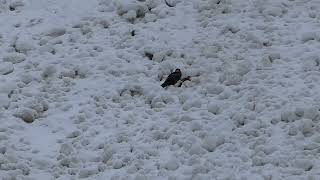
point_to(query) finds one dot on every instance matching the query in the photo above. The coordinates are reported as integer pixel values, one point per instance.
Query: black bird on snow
(172, 79)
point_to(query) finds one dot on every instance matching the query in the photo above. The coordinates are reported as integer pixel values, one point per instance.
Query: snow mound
(6, 68)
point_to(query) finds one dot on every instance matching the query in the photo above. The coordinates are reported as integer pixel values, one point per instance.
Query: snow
(80, 94)
(6, 68)
(14, 57)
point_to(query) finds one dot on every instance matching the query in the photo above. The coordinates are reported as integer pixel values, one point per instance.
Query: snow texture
(80, 94)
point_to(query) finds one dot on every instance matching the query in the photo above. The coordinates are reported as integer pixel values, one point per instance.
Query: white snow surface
(80, 94)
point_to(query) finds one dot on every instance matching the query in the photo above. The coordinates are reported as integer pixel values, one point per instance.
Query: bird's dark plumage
(172, 79)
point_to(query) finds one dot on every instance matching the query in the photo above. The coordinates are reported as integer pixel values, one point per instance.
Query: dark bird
(172, 79)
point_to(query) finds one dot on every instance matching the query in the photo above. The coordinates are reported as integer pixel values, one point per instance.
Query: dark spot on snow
(267, 44)
(141, 13)
(309, 168)
(3, 150)
(15, 48)
(17, 25)
(149, 55)
(12, 8)
(170, 5)
(133, 33)
(10, 93)
(53, 52)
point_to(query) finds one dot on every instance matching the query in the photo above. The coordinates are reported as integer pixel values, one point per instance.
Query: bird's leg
(183, 80)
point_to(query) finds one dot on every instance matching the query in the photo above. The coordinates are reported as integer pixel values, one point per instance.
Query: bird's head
(177, 70)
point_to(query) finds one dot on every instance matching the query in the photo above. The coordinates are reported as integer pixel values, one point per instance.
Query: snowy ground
(87, 74)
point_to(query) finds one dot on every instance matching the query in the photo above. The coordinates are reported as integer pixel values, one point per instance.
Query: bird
(172, 79)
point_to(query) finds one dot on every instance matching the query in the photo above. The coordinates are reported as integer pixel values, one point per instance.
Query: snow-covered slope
(80, 94)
